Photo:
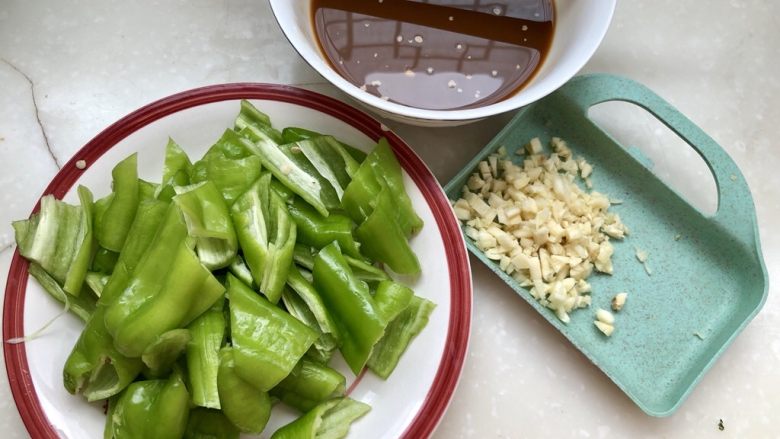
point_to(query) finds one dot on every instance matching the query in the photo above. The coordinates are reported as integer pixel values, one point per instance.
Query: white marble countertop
(70, 68)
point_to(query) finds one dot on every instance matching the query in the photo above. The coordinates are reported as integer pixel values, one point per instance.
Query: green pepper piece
(96, 282)
(176, 171)
(104, 260)
(305, 304)
(391, 299)
(383, 240)
(294, 171)
(318, 231)
(267, 342)
(94, 367)
(303, 256)
(398, 335)
(82, 305)
(153, 409)
(59, 239)
(267, 236)
(381, 170)
(167, 290)
(365, 271)
(329, 420)
(162, 353)
(282, 191)
(358, 321)
(295, 134)
(120, 212)
(142, 233)
(240, 270)
(208, 333)
(231, 164)
(208, 220)
(245, 406)
(251, 116)
(147, 190)
(389, 172)
(210, 424)
(329, 159)
(310, 384)
(150, 306)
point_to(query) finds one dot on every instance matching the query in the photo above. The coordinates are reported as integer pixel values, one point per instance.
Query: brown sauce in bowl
(436, 54)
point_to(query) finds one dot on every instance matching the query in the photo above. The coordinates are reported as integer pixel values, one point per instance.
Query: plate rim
(453, 356)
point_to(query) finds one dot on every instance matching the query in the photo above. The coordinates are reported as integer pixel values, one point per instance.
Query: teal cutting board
(708, 276)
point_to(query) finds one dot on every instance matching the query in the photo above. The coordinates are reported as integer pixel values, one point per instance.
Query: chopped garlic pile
(541, 227)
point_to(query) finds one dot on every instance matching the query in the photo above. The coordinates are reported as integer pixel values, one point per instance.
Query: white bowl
(580, 25)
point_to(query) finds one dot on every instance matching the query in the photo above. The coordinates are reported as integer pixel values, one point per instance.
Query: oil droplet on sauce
(461, 45)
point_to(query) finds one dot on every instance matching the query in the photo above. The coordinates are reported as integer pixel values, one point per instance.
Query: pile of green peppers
(227, 287)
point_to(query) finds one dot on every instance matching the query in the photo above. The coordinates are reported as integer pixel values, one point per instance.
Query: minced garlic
(536, 222)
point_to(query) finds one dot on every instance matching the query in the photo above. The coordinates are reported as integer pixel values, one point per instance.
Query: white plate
(409, 404)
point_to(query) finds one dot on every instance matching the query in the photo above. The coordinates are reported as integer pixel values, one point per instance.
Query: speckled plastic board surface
(708, 277)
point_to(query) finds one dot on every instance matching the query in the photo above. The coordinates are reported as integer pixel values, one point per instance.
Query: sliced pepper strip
(267, 342)
(329, 420)
(318, 231)
(208, 220)
(398, 335)
(208, 333)
(59, 239)
(247, 408)
(167, 290)
(210, 424)
(295, 134)
(120, 211)
(230, 164)
(392, 298)
(267, 236)
(251, 116)
(153, 409)
(310, 384)
(383, 240)
(162, 353)
(358, 321)
(292, 170)
(94, 367)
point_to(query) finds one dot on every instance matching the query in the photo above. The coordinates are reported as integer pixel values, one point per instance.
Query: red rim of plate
(456, 343)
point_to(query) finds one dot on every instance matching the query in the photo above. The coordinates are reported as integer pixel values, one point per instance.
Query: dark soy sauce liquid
(436, 54)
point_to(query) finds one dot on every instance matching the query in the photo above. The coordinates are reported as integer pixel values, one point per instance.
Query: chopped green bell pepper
(162, 353)
(358, 321)
(240, 270)
(267, 236)
(210, 424)
(305, 304)
(251, 116)
(318, 231)
(383, 240)
(208, 334)
(167, 290)
(154, 409)
(267, 342)
(115, 222)
(94, 367)
(244, 405)
(104, 260)
(329, 420)
(176, 171)
(230, 164)
(391, 298)
(310, 384)
(96, 282)
(59, 239)
(398, 335)
(208, 220)
(295, 134)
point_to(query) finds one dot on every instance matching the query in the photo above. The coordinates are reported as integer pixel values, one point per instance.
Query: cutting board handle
(735, 212)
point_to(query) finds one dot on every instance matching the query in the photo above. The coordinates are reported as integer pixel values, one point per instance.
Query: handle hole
(661, 151)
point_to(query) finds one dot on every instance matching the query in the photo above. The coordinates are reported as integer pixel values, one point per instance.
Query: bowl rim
(317, 62)
(456, 341)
